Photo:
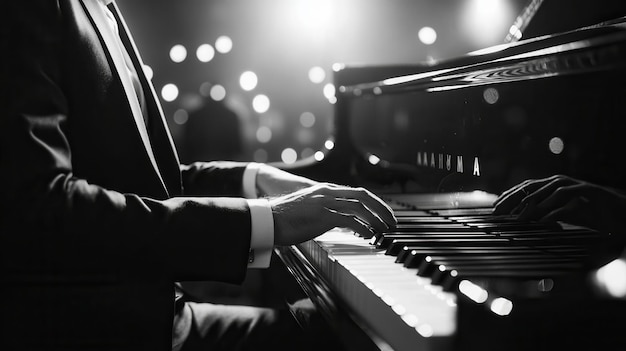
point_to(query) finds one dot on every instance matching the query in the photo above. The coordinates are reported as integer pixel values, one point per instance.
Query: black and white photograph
(312, 175)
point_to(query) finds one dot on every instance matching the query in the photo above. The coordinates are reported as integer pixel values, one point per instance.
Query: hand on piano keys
(561, 198)
(307, 213)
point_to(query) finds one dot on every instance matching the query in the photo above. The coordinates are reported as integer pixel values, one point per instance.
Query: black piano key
(381, 240)
(544, 233)
(438, 268)
(474, 211)
(432, 227)
(411, 213)
(558, 239)
(488, 218)
(453, 250)
(415, 257)
(385, 239)
(507, 226)
(424, 220)
(451, 281)
(398, 207)
(397, 244)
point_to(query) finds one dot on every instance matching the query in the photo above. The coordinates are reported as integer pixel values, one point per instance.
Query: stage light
(205, 53)
(178, 53)
(169, 92)
(248, 80)
(501, 306)
(223, 44)
(427, 35)
(317, 74)
(218, 92)
(487, 21)
(313, 14)
(611, 278)
(329, 93)
(289, 155)
(319, 156)
(261, 103)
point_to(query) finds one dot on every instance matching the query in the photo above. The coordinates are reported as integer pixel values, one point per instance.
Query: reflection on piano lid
(485, 121)
(437, 141)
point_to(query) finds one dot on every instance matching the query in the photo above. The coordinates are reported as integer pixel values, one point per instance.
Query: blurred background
(252, 79)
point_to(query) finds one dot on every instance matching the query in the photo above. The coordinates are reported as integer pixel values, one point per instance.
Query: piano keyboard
(405, 285)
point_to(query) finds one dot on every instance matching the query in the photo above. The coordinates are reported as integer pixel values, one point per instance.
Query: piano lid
(486, 121)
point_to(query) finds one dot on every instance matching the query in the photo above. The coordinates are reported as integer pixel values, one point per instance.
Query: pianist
(562, 198)
(99, 219)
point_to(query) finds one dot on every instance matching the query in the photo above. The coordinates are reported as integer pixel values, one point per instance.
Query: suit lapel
(160, 134)
(111, 45)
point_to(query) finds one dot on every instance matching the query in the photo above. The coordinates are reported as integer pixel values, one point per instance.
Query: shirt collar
(106, 2)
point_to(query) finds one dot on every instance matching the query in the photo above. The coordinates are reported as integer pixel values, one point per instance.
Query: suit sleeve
(56, 225)
(217, 178)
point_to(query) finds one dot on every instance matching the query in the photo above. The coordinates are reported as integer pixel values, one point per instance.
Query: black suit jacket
(97, 216)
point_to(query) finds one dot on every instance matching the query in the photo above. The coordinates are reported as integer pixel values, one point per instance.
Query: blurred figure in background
(212, 132)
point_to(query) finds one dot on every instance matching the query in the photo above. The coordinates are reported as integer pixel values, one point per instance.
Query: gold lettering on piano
(476, 167)
(445, 161)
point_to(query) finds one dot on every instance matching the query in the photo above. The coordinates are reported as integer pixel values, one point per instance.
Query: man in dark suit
(97, 217)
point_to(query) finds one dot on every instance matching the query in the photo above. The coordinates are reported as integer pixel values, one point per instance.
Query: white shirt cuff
(249, 180)
(262, 236)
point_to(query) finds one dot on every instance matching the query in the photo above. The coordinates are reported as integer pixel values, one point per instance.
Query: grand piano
(438, 142)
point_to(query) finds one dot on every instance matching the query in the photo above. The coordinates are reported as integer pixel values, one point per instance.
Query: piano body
(437, 142)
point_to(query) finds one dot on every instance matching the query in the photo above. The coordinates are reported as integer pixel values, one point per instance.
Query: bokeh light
(147, 70)
(178, 53)
(289, 155)
(307, 119)
(181, 116)
(248, 80)
(427, 35)
(169, 92)
(261, 103)
(317, 74)
(223, 44)
(329, 93)
(556, 145)
(319, 156)
(205, 53)
(264, 134)
(218, 92)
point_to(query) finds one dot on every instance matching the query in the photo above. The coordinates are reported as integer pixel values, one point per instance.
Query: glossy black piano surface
(437, 142)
